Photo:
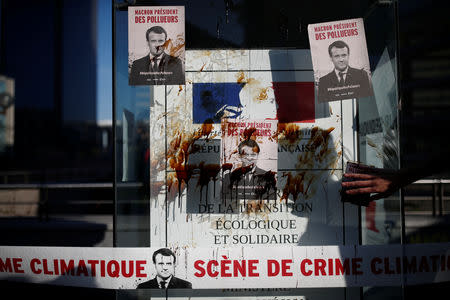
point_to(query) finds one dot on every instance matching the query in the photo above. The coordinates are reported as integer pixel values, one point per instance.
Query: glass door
(243, 154)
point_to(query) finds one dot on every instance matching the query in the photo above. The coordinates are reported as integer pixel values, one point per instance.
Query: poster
(200, 196)
(156, 45)
(340, 60)
(249, 155)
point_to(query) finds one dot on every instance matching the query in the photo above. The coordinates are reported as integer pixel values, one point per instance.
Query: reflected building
(6, 115)
(49, 49)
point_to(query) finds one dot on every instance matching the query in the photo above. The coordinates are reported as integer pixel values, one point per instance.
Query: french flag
(274, 85)
(294, 101)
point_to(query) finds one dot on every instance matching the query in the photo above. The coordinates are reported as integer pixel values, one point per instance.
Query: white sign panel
(205, 195)
(219, 268)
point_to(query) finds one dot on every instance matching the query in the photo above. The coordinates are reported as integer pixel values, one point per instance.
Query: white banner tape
(219, 268)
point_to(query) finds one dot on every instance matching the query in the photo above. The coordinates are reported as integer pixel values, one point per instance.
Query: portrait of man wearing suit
(251, 182)
(164, 260)
(158, 67)
(343, 82)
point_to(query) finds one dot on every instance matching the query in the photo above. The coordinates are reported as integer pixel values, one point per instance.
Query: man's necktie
(155, 65)
(341, 79)
(163, 284)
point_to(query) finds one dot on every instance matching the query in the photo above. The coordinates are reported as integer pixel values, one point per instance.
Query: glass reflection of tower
(49, 49)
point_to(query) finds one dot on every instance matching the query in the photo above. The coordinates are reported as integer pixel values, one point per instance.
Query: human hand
(376, 186)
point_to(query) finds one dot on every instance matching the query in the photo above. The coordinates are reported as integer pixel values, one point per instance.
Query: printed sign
(219, 268)
(235, 175)
(156, 45)
(340, 60)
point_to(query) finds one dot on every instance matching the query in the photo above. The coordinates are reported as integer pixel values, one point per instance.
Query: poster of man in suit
(249, 160)
(156, 45)
(164, 260)
(340, 60)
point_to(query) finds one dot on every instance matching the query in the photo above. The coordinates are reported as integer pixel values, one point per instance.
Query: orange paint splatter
(289, 132)
(262, 94)
(258, 93)
(248, 133)
(208, 172)
(318, 141)
(252, 81)
(173, 51)
(238, 173)
(254, 206)
(240, 77)
(227, 167)
(294, 185)
(180, 147)
(299, 183)
(207, 128)
(167, 44)
(155, 188)
(174, 47)
(265, 183)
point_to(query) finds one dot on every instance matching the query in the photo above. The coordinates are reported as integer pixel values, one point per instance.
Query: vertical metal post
(441, 198)
(358, 157)
(2, 36)
(114, 121)
(166, 201)
(433, 203)
(398, 75)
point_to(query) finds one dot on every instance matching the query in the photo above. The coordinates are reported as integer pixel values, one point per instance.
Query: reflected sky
(104, 62)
